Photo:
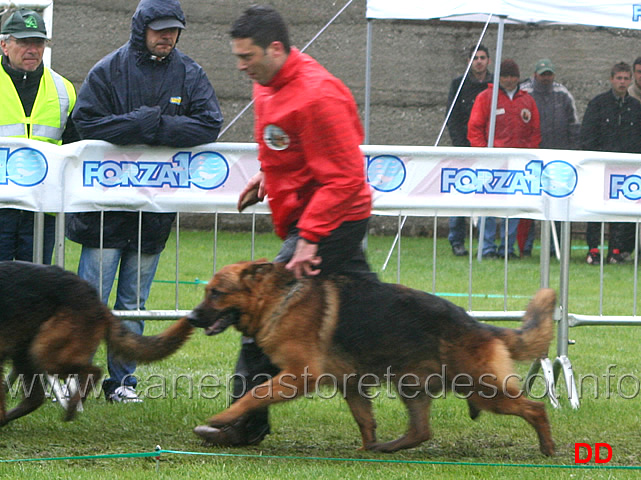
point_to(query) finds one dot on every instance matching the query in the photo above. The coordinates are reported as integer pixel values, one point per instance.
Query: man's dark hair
(263, 25)
(482, 48)
(620, 67)
(637, 61)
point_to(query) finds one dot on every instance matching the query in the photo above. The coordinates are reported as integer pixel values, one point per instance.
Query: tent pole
(368, 77)
(495, 96)
(495, 90)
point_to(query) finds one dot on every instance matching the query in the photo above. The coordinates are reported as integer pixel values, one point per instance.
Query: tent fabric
(612, 13)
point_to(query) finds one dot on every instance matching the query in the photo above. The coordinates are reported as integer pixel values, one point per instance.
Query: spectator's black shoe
(510, 255)
(615, 257)
(235, 435)
(459, 250)
(526, 253)
(594, 257)
(490, 255)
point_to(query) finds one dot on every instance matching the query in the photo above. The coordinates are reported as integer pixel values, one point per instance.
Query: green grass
(324, 427)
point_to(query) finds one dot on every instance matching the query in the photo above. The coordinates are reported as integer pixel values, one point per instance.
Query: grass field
(317, 437)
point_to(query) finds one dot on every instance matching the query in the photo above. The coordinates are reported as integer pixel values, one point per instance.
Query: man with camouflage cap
(559, 127)
(36, 104)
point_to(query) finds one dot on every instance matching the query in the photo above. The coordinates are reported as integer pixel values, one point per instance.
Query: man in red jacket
(517, 126)
(312, 171)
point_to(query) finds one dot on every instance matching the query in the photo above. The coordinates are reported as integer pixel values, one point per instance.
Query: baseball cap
(544, 65)
(25, 24)
(165, 22)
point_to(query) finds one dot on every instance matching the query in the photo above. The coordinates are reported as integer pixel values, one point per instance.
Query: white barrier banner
(540, 184)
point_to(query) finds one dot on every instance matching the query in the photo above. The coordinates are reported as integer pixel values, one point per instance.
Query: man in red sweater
(517, 126)
(312, 171)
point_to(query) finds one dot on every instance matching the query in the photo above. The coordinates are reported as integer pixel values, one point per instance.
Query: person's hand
(253, 192)
(304, 260)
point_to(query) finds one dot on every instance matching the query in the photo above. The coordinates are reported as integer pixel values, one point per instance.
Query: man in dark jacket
(612, 123)
(474, 83)
(145, 92)
(559, 127)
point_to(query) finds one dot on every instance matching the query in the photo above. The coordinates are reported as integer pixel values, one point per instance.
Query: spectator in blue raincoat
(145, 92)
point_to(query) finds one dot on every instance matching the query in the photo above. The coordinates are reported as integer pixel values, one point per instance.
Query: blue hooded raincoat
(129, 97)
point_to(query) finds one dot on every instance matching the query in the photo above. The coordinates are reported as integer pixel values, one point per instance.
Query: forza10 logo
(556, 179)
(206, 170)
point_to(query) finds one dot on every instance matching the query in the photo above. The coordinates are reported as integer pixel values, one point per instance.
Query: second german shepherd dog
(355, 329)
(52, 321)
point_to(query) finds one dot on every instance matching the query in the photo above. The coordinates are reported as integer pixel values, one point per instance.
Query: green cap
(25, 24)
(544, 65)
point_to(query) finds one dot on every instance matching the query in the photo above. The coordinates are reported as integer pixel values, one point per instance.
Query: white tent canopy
(609, 13)
(613, 13)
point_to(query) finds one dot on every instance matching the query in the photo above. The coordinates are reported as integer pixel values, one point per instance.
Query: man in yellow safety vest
(36, 104)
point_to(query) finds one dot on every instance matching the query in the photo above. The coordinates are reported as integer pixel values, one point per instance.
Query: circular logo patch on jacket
(526, 115)
(275, 137)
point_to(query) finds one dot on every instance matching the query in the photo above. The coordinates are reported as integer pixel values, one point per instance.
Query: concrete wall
(413, 62)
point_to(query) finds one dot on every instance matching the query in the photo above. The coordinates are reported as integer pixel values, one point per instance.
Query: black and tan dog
(356, 331)
(53, 321)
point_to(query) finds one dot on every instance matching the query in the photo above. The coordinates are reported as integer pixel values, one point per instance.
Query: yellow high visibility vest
(54, 102)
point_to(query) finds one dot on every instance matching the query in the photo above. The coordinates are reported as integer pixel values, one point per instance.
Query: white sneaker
(124, 394)
(64, 392)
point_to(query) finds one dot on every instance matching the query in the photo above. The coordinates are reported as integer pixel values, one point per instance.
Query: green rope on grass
(419, 462)
(83, 457)
(158, 452)
(198, 281)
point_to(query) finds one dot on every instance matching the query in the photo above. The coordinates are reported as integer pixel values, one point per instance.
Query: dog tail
(533, 339)
(131, 346)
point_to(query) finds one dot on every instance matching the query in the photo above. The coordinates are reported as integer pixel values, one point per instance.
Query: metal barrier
(550, 368)
(431, 182)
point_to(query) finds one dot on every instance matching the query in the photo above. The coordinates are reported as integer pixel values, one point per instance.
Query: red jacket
(517, 120)
(309, 135)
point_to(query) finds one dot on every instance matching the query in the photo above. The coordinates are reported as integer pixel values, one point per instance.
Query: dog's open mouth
(224, 320)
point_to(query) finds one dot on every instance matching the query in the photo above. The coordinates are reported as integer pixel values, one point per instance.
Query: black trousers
(621, 236)
(341, 252)
(16, 235)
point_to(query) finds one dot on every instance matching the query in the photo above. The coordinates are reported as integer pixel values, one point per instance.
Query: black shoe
(510, 255)
(615, 257)
(594, 257)
(459, 250)
(526, 253)
(235, 435)
(490, 255)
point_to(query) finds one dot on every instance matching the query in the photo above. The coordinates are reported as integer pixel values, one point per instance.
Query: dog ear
(255, 272)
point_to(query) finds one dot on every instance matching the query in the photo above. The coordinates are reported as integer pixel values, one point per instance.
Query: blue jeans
(457, 226)
(120, 372)
(490, 234)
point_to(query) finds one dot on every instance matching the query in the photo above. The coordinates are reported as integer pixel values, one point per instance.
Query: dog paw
(548, 449)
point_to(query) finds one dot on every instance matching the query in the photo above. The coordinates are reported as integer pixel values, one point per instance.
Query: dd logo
(588, 457)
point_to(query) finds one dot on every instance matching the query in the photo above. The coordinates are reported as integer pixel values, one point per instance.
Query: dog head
(233, 297)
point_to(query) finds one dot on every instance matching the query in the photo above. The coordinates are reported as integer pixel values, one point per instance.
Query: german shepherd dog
(52, 321)
(354, 329)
